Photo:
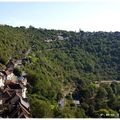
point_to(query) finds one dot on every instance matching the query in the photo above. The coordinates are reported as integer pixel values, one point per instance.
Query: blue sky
(86, 15)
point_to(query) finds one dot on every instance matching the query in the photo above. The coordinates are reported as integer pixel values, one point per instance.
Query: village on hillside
(13, 99)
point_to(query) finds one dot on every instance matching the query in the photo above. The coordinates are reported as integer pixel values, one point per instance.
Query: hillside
(58, 60)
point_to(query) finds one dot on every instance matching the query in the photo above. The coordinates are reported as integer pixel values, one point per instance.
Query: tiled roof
(10, 98)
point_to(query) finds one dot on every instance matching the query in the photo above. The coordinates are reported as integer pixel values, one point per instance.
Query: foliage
(67, 68)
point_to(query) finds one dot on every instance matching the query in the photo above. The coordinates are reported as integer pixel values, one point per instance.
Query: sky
(87, 15)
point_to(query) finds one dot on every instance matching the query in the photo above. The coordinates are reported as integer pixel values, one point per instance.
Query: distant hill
(58, 58)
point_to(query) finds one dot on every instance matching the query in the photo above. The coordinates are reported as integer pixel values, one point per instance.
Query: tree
(101, 93)
(41, 109)
(110, 92)
(80, 113)
(114, 87)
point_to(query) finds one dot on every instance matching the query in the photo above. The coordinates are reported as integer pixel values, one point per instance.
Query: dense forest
(66, 70)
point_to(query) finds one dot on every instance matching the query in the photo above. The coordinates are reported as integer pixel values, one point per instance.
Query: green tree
(101, 93)
(41, 109)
